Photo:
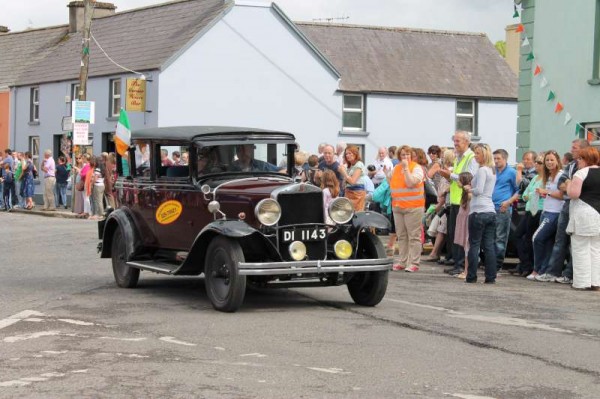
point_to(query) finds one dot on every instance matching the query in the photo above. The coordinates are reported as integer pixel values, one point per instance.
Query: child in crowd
(8, 178)
(62, 179)
(331, 190)
(461, 234)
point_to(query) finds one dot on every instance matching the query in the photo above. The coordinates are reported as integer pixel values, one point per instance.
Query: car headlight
(268, 212)
(341, 210)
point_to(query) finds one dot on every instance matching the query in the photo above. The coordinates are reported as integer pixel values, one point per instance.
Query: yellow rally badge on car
(168, 212)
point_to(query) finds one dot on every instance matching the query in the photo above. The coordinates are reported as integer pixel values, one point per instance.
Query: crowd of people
(463, 200)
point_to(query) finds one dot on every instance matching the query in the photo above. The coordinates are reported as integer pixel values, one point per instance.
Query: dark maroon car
(233, 210)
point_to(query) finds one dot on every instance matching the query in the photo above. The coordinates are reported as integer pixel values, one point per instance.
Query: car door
(175, 203)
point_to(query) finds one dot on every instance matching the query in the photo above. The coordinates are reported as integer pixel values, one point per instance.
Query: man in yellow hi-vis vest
(464, 162)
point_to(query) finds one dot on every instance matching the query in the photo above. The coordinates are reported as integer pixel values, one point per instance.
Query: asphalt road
(67, 331)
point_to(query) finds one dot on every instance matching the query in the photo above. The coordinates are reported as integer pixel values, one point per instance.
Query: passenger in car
(247, 163)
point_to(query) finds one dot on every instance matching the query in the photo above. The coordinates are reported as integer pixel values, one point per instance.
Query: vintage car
(231, 213)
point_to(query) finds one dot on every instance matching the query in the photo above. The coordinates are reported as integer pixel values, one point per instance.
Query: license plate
(304, 234)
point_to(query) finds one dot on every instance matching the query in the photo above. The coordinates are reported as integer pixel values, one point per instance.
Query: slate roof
(20, 50)
(142, 39)
(412, 61)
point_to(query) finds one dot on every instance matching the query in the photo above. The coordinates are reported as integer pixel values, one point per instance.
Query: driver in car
(246, 163)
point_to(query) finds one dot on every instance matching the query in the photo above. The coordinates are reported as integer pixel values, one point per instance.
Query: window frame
(74, 90)
(34, 104)
(360, 111)
(35, 150)
(472, 116)
(114, 97)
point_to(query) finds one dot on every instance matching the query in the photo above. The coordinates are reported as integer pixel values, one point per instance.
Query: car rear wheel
(125, 276)
(224, 286)
(368, 288)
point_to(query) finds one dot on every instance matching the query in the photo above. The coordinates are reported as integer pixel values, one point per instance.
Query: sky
(487, 16)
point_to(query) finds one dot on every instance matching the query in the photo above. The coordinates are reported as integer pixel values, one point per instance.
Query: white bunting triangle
(82, 63)
(544, 82)
(567, 118)
(525, 42)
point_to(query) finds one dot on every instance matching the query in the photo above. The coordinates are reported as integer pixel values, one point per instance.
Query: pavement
(58, 213)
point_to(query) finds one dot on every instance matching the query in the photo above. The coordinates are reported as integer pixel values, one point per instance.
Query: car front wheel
(224, 286)
(368, 288)
(125, 276)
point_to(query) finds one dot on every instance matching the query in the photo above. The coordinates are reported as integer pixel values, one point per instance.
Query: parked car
(234, 216)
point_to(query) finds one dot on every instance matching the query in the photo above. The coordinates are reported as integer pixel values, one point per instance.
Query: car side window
(142, 159)
(174, 161)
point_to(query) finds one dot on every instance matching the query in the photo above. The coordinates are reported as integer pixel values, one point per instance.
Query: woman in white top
(543, 238)
(584, 220)
(482, 216)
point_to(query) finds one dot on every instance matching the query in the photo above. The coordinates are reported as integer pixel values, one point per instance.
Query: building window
(34, 105)
(74, 96)
(466, 116)
(595, 80)
(34, 149)
(353, 112)
(115, 97)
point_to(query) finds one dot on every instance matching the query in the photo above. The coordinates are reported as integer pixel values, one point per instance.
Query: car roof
(209, 133)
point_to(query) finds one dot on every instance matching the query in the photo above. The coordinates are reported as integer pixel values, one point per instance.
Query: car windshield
(252, 158)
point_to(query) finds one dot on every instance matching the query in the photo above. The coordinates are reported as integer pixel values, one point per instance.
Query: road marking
(467, 396)
(25, 337)
(10, 320)
(21, 382)
(503, 320)
(332, 370)
(77, 322)
(219, 348)
(125, 339)
(253, 355)
(172, 340)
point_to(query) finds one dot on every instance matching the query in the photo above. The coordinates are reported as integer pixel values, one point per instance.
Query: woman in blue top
(482, 216)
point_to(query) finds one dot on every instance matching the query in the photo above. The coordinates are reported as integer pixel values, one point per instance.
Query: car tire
(368, 288)
(125, 276)
(224, 285)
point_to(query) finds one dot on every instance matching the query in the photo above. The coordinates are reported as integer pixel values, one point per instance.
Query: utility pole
(85, 48)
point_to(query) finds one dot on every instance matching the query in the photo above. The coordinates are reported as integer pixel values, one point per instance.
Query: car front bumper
(314, 266)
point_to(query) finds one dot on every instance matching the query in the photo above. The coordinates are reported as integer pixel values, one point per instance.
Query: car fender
(253, 242)
(120, 219)
(370, 219)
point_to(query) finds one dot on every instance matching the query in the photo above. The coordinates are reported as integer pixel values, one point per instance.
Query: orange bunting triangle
(520, 28)
(559, 107)
(537, 71)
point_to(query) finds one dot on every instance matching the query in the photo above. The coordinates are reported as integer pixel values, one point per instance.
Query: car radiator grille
(301, 208)
(298, 208)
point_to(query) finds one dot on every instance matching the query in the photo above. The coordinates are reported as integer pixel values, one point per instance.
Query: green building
(562, 38)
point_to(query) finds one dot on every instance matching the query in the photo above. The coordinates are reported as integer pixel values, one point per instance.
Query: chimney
(76, 11)
(4, 29)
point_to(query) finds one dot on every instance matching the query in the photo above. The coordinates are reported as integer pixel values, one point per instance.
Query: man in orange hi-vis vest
(408, 205)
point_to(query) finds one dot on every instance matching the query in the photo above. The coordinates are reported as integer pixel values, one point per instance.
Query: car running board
(154, 266)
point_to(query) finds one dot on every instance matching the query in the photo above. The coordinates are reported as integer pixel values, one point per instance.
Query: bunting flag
(525, 42)
(516, 14)
(122, 134)
(537, 71)
(551, 96)
(520, 28)
(559, 108)
(86, 50)
(530, 56)
(544, 82)
(567, 118)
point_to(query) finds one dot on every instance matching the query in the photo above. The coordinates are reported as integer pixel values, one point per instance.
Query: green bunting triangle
(530, 56)
(577, 130)
(516, 14)
(86, 50)
(551, 96)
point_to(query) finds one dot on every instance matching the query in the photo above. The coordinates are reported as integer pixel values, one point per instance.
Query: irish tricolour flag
(123, 134)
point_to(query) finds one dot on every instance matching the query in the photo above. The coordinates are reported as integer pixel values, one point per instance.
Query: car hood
(243, 195)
